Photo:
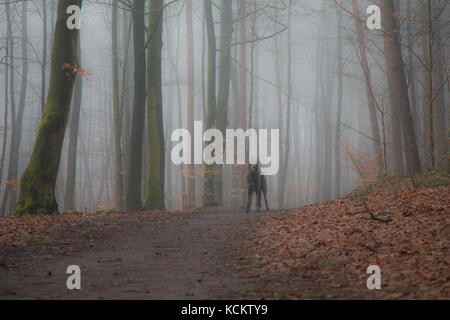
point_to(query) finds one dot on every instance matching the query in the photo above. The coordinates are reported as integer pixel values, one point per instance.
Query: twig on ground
(374, 217)
(413, 181)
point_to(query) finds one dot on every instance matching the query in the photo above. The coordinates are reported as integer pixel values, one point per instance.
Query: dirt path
(139, 256)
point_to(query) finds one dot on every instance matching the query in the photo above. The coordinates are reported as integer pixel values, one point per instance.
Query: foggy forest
(94, 92)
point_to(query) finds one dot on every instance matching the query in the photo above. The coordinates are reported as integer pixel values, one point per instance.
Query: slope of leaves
(336, 241)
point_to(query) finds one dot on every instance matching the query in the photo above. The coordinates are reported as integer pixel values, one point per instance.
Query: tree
(124, 101)
(208, 188)
(243, 64)
(7, 67)
(174, 62)
(154, 198)
(411, 67)
(44, 54)
(190, 95)
(69, 193)
(37, 185)
(117, 114)
(285, 157)
(435, 128)
(398, 89)
(439, 81)
(337, 155)
(371, 103)
(226, 33)
(16, 136)
(133, 197)
(318, 143)
(242, 81)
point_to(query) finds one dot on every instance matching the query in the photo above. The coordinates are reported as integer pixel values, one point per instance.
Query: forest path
(134, 256)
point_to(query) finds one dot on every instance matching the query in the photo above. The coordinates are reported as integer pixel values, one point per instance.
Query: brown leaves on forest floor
(336, 241)
(320, 251)
(40, 229)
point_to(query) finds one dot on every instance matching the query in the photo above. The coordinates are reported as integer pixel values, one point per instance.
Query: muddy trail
(134, 256)
(317, 252)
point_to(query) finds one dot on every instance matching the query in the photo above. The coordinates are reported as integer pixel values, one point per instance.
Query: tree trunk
(226, 33)
(252, 68)
(243, 63)
(398, 89)
(369, 91)
(44, 54)
(10, 57)
(124, 105)
(326, 97)
(411, 63)
(134, 201)
(174, 65)
(154, 198)
(242, 84)
(337, 155)
(318, 116)
(438, 93)
(118, 181)
(37, 185)
(190, 95)
(69, 194)
(236, 186)
(208, 189)
(284, 167)
(5, 119)
(278, 67)
(16, 136)
(203, 69)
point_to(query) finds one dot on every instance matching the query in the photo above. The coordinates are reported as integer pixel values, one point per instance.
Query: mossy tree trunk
(154, 196)
(37, 186)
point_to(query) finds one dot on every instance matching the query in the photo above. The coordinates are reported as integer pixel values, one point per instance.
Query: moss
(315, 294)
(68, 212)
(35, 241)
(325, 263)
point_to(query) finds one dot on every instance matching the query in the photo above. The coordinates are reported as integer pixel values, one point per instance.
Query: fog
(301, 66)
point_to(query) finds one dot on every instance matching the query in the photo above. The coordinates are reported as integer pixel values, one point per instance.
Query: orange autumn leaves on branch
(12, 182)
(364, 164)
(77, 69)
